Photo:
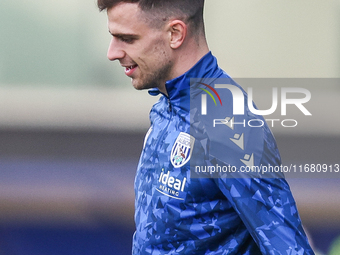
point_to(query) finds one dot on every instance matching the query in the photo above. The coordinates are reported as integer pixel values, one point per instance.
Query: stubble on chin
(156, 79)
(141, 85)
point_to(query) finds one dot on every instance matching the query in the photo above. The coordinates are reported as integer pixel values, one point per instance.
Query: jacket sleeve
(263, 201)
(268, 210)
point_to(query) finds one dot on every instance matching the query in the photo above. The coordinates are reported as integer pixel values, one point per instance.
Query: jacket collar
(206, 67)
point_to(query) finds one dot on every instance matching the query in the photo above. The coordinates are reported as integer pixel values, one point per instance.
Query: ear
(178, 32)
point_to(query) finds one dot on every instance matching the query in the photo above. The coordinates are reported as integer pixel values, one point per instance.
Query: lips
(130, 69)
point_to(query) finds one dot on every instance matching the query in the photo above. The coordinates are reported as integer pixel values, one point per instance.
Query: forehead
(126, 18)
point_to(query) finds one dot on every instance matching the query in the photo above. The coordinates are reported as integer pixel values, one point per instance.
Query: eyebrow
(119, 35)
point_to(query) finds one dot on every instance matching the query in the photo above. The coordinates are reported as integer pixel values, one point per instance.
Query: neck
(186, 56)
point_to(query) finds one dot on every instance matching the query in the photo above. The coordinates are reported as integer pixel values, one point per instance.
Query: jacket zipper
(167, 125)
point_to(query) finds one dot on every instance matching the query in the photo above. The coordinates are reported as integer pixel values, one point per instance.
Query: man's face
(141, 49)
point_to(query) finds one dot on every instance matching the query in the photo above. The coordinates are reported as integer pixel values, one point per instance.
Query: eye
(127, 39)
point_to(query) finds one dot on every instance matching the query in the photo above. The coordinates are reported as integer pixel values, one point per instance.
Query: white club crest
(182, 150)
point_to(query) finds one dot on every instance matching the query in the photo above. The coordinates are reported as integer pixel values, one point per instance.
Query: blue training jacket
(218, 212)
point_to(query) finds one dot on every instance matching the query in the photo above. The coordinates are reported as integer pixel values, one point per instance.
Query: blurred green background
(53, 43)
(63, 43)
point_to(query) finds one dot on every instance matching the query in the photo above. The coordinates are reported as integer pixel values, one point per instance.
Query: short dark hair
(190, 11)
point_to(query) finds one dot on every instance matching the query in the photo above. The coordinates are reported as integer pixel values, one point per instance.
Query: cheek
(157, 47)
(161, 56)
(152, 53)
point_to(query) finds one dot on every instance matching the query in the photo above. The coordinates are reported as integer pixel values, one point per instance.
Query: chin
(138, 85)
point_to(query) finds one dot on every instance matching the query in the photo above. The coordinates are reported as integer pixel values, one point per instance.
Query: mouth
(129, 70)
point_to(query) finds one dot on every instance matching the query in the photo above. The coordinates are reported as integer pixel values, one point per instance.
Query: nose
(114, 52)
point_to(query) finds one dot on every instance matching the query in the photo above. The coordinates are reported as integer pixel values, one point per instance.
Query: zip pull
(170, 107)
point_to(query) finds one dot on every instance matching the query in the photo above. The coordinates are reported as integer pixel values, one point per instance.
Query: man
(162, 46)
